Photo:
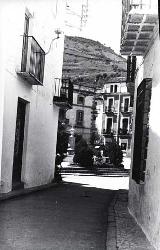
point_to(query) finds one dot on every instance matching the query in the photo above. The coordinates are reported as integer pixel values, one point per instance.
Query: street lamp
(57, 32)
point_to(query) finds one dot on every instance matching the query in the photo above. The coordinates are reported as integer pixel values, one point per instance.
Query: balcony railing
(139, 6)
(33, 60)
(139, 19)
(63, 94)
(108, 132)
(126, 109)
(110, 109)
(123, 131)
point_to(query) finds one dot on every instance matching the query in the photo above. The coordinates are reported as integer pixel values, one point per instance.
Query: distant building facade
(87, 63)
(80, 116)
(29, 68)
(115, 106)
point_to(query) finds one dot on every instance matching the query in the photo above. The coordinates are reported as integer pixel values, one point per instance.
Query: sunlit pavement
(112, 183)
(127, 162)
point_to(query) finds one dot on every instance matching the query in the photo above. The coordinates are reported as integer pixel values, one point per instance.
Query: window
(80, 100)
(110, 104)
(109, 125)
(111, 88)
(123, 145)
(33, 57)
(126, 104)
(141, 135)
(79, 117)
(125, 123)
(115, 88)
(125, 126)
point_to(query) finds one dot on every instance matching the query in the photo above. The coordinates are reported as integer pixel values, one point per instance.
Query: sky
(103, 22)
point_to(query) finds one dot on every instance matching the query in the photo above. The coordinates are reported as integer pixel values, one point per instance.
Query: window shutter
(141, 135)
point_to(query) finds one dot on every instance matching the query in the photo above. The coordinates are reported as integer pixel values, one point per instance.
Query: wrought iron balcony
(109, 132)
(123, 131)
(110, 109)
(139, 18)
(126, 109)
(32, 63)
(63, 94)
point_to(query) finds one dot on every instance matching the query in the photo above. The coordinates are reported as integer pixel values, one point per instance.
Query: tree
(83, 153)
(114, 152)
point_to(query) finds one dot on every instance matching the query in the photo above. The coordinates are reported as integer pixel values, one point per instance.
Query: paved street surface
(65, 217)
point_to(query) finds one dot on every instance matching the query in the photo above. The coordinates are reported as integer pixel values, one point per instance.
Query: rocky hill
(89, 61)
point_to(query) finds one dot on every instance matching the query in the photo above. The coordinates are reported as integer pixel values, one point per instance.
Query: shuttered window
(141, 135)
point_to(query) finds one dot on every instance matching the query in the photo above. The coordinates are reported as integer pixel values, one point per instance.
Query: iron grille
(33, 58)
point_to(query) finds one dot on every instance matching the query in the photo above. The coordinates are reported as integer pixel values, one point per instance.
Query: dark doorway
(18, 146)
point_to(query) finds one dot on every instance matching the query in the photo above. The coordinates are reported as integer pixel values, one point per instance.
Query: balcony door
(109, 125)
(126, 104)
(125, 124)
(18, 145)
(110, 104)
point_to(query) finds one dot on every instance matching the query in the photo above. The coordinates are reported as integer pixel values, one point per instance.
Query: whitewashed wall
(42, 115)
(144, 199)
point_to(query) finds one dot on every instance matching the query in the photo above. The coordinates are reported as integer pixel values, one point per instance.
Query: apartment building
(116, 112)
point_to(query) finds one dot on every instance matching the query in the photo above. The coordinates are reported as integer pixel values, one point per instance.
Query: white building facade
(80, 116)
(31, 60)
(140, 37)
(115, 108)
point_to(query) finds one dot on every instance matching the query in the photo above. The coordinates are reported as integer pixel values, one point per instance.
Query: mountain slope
(87, 61)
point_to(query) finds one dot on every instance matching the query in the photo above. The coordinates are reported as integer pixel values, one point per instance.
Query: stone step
(113, 170)
(98, 174)
(94, 169)
(92, 172)
(74, 171)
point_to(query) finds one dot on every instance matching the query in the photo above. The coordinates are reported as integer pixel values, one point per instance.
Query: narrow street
(67, 216)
